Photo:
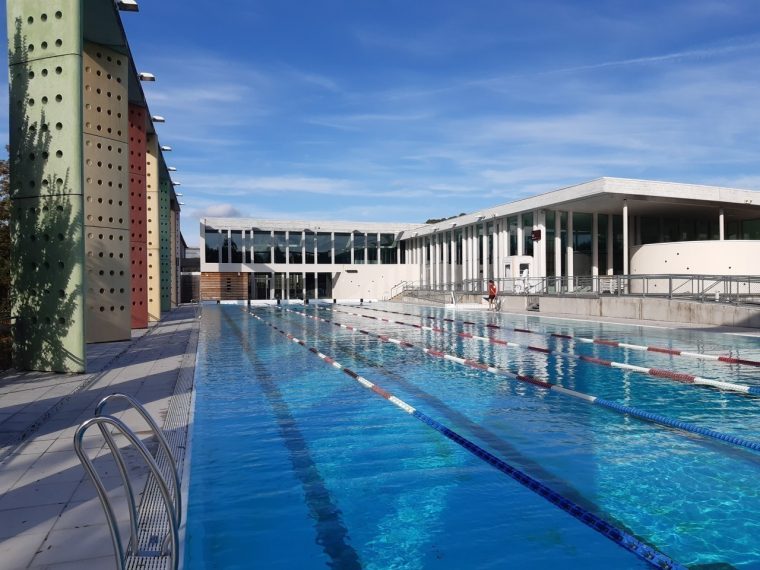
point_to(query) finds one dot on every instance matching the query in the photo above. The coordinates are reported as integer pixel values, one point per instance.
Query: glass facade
(527, 224)
(359, 244)
(324, 248)
(213, 241)
(295, 243)
(387, 249)
(236, 246)
(262, 247)
(512, 228)
(280, 244)
(343, 248)
(310, 244)
(371, 248)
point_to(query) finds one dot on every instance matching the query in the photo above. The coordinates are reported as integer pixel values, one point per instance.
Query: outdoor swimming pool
(295, 464)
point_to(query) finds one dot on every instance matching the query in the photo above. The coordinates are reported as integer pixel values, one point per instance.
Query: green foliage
(436, 220)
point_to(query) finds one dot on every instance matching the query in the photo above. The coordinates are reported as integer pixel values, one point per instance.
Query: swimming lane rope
(543, 384)
(620, 537)
(601, 341)
(655, 372)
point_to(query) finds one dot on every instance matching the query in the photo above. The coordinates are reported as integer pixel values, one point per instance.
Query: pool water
(297, 465)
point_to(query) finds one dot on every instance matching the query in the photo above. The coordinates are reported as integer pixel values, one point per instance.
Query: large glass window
(359, 243)
(549, 237)
(262, 244)
(527, 224)
(324, 285)
(311, 240)
(311, 285)
(459, 247)
(582, 233)
(294, 247)
(295, 286)
(213, 241)
(751, 229)
(343, 248)
(371, 248)
(602, 237)
(324, 248)
(650, 229)
(248, 245)
(225, 248)
(512, 225)
(237, 246)
(280, 244)
(387, 249)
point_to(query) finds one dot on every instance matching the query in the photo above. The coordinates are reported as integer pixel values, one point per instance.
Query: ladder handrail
(158, 432)
(103, 494)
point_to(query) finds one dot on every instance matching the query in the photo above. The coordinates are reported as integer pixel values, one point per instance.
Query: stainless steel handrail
(156, 431)
(103, 494)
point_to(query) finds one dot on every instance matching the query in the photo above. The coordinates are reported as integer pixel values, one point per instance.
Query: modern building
(245, 258)
(95, 219)
(562, 239)
(608, 226)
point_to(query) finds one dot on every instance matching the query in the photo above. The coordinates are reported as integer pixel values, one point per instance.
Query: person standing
(492, 291)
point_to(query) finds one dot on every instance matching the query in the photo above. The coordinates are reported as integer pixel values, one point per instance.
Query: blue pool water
(296, 465)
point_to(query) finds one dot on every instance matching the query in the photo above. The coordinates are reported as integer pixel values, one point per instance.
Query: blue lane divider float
(546, 385)
(655, 372)
(627, 541)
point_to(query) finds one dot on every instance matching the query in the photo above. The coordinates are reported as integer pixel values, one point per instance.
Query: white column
(303, 285)
(446, 267)
(436, 261)
(721, 225)
(351, 246)
(484, 253)
(271, 246)
(557, 243)
(595, 247)
(465, 253)
(540, 217)
(475, 262)
(570, 250)
(625, 237)
(520, 240)
(610, 246)
(287, 247)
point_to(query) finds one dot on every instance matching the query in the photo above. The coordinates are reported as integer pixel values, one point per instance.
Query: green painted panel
(39, 29)
(165, 244)
(48, 281)
(46, 127)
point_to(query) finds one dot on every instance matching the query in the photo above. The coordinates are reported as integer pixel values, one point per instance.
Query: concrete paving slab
(47, 502)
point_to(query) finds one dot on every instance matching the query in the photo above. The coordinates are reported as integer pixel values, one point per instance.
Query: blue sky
(404, 110)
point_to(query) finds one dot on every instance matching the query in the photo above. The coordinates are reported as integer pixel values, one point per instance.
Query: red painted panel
(138, 205)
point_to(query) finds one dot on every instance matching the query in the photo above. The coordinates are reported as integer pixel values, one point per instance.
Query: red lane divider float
(655, 372)
(602, 341)
(623, 539)
(588, 398)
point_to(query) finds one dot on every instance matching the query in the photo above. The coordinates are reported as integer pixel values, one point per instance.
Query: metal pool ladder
(149, 550)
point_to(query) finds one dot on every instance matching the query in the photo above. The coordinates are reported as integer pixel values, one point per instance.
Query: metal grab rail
(157, 431)
(102, 422)
(122, 467)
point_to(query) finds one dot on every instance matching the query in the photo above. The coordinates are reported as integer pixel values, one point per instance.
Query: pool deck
(51, 516)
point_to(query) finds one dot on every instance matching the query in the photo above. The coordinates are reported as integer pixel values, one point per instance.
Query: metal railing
(730, 289)
(172, 505)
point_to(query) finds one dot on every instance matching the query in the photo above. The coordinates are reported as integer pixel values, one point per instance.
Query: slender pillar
(721, 225)
(610, 246)
(540, 216)
(520, 240)
(595, 248)
(570, 251)
(558, 244)
(625, 237)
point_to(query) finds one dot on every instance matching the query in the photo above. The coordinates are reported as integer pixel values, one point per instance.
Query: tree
(5, 265)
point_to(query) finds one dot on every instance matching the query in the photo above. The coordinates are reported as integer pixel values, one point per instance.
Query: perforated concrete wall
(137, 224)
(44, 40)
(173, 256)
(107, 216)
(165, 244)
(153, 232)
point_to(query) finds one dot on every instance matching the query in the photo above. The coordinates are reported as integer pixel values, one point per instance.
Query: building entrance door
(261, 284)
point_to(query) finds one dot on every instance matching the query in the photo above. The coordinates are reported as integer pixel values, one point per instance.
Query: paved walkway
(50, 517)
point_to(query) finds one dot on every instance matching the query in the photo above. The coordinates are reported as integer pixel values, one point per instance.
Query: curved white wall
(729, 257)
